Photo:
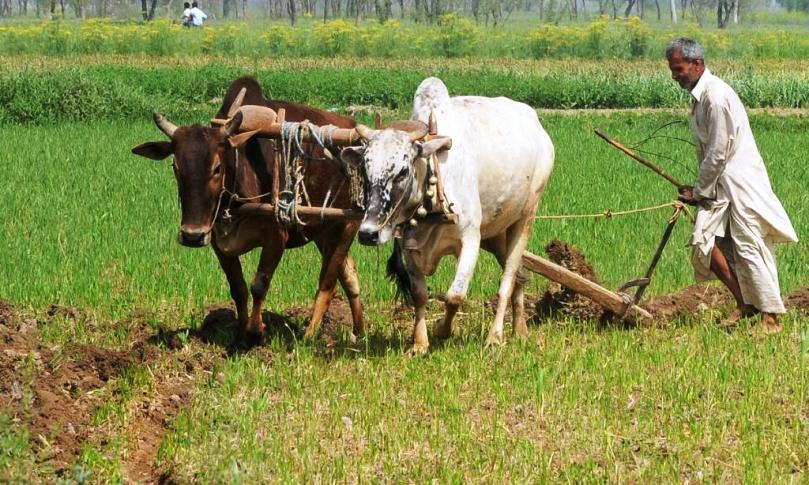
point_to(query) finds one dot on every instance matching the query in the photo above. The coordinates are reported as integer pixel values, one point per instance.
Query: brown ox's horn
(365, 132)
(165, 125)
(233, 124)
(237, 103)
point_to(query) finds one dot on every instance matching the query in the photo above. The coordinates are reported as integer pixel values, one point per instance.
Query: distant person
(187, 18)
(738, 215)
(198, 17)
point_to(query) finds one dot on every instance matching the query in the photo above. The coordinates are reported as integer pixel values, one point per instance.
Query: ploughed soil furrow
(54, 391)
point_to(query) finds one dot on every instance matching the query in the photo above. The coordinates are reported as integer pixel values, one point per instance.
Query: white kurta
(736, 200)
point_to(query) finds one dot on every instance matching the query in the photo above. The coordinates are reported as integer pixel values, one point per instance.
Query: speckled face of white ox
(392, 192)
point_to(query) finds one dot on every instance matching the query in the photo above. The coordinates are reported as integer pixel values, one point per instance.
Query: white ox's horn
(418, 132)
(165, 125)
(432, 126)
(237, 103)
(365, 132)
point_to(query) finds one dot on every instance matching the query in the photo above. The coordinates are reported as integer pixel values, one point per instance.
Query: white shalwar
(736, 200)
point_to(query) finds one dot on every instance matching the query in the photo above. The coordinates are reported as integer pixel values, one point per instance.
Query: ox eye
(218, 169)
(401, 175)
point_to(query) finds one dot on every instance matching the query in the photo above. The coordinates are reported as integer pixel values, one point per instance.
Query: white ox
(494, 176)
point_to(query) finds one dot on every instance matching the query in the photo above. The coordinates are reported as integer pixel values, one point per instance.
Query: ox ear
(156, 150)
(435, 145)
(241, 139)
(353, 155)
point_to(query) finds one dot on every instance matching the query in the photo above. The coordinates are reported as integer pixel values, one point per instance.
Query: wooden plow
(620, 302)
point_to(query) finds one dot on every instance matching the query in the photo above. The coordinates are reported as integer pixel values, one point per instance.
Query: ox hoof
(521, 331)
(417, 350)
(442, 331)
(311, 332)
(494, 339)
(254, 339)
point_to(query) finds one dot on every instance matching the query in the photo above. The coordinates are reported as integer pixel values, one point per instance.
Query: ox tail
(397, 272)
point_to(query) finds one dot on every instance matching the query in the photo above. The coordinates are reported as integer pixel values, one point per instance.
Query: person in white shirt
(738, 216)
(187, 19)
(198, 17)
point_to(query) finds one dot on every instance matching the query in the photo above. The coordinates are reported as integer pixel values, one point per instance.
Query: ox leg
(238, 287)
(268, 262)
(350, 283)
(516, 240)
(497, 246)
(418, 289)
(333, 257)
(470, 248)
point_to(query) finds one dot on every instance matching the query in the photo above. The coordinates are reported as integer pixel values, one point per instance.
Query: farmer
(738, 215)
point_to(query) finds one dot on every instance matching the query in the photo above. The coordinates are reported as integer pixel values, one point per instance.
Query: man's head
(686, 62)
(194, 4)
(186, 5)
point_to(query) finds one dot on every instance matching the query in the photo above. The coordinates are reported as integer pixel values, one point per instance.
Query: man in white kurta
(739, 218)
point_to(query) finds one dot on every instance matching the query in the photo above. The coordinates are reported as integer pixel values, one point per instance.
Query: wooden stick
(642, 160)
(604, 297)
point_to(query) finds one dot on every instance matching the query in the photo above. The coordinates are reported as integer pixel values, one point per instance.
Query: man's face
(686, 73)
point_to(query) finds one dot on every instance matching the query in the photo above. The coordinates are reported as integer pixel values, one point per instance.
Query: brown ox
(205, 164)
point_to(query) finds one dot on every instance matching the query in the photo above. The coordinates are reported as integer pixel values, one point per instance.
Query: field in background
(37, 90)
(452, 36)
(114, 332)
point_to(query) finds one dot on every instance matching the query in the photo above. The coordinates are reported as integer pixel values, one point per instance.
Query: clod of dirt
(690, 301)
(562, 301)
(798, 300)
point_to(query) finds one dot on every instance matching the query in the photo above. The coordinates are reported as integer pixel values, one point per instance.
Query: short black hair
(194, 4)
(186, 5)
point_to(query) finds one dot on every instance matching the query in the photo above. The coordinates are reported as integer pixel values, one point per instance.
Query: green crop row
(33, 95)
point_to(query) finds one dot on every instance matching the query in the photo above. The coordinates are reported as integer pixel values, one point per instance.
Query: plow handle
(654, 168)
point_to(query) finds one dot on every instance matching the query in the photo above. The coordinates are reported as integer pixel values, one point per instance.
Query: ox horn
(365, 132)
(233, 124)
(165, 125)
(418, 132)
(237, 103)
(432, 126)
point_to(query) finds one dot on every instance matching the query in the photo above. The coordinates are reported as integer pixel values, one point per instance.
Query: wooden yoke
(266, 124)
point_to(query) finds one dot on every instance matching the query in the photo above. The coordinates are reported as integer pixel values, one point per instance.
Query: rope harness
(679, 209)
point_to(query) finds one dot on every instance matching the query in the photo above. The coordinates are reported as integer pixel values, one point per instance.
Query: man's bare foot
(740, 313)
(769, 324)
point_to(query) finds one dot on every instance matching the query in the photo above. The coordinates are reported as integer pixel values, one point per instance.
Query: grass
(573, 404)
(114, 88)
(93, 227)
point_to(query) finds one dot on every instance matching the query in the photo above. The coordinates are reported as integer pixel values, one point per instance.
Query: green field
(91, 228)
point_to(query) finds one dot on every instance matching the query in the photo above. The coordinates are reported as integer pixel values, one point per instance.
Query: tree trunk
(673, 12)
(696, 13)
(291, 11)
(629, 5)
(736, 11)
(144, 9)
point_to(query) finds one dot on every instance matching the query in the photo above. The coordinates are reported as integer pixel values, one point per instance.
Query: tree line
(488, 12)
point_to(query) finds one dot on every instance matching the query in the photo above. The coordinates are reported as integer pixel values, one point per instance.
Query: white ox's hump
(432, 95)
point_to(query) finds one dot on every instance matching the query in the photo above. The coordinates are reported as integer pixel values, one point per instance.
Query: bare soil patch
(690, 301)
(798, 300)
(54, 391)
(559, 300)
